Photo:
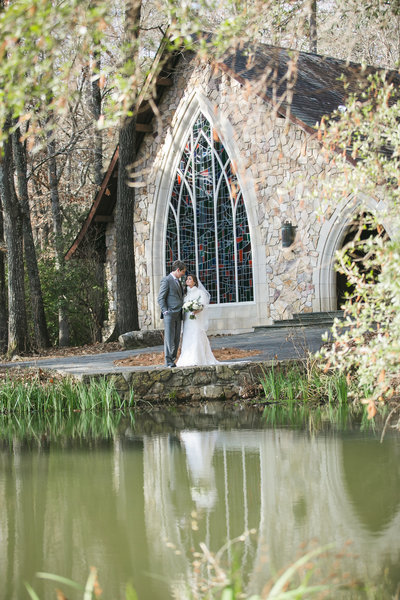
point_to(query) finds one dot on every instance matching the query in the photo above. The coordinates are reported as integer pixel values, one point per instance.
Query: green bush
(83, 294)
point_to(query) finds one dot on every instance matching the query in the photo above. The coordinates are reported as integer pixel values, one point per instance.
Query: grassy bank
(42, 394)
(39, 392)
(307, 385)
(301, 385)
(309, 389)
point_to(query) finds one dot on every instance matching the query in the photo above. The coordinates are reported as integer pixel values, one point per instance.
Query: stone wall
(278, 164)
(216, 382)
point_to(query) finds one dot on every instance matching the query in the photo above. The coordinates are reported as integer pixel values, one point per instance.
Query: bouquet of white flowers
(191, 306)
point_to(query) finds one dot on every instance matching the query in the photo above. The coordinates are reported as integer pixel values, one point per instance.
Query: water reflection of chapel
(163, 493)
(214, 165)
(288, 490)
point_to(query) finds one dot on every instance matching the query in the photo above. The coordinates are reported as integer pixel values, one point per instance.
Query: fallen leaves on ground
(98, 348)
(28, 375)
(149, 359)
(36, 374)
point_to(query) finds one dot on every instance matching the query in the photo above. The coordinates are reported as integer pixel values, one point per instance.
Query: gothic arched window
(207, 224)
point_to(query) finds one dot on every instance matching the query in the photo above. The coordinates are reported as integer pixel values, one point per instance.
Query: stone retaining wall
(226, 381)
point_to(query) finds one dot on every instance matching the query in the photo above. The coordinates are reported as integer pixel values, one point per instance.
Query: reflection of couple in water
(192, 305)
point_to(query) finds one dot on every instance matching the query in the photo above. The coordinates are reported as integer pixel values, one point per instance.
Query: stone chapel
(227, 154)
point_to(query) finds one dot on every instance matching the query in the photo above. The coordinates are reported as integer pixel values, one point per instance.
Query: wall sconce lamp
(288, 234)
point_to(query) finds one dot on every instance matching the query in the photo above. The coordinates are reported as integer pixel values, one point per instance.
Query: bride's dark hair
(196, 281)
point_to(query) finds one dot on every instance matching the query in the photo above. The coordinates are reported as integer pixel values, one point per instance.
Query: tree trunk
(127, 309)
(17, 323)
(38, 314)
(3, 290)
(96, 112)
(313, 26)
(63, 324)
(99, 300)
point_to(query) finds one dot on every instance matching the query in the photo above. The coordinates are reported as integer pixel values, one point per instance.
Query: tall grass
(304, 384)
(305, 394)
(66, 396)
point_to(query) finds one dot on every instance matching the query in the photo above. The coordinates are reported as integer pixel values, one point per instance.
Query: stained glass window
(207, 224)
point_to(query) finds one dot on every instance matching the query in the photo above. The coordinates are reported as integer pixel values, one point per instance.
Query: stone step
(316, 319)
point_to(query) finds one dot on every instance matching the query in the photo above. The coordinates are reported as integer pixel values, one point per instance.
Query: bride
(195, 349)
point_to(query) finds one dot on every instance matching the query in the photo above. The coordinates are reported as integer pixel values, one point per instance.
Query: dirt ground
(36, 374)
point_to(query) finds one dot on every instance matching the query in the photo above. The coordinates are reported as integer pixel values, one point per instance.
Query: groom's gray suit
(170, 299)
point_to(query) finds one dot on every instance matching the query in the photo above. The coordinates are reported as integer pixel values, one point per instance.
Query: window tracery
(207, 224)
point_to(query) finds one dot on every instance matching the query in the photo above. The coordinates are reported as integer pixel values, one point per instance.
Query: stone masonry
(216, 382)
(277, 159)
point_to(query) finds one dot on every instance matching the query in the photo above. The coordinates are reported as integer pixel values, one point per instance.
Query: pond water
(139, 498)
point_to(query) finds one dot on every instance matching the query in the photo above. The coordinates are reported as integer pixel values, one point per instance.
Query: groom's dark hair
(178, 264)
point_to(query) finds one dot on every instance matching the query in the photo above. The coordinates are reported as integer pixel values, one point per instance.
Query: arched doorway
(334, 234)
(362, 228)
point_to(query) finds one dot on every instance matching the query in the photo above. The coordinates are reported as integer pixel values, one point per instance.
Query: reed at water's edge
(24, 396)
(310, 385)
(307, 385)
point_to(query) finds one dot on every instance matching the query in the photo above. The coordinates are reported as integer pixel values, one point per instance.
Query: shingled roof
(301, 86)
(308, 86)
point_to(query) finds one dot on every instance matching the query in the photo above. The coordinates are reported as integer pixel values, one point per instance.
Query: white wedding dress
(195, 348)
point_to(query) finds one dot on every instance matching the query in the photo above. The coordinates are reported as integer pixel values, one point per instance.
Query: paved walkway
(280, 343)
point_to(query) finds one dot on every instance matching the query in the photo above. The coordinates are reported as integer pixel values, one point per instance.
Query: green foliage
(25, 397)
(366, 345)
(79, 285)
(305, 384)
(293, 583)
(130, 593)
(38, 62)
(89, 591)
(45, 46)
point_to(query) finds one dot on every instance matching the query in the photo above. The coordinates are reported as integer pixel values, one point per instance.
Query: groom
(170, 299)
